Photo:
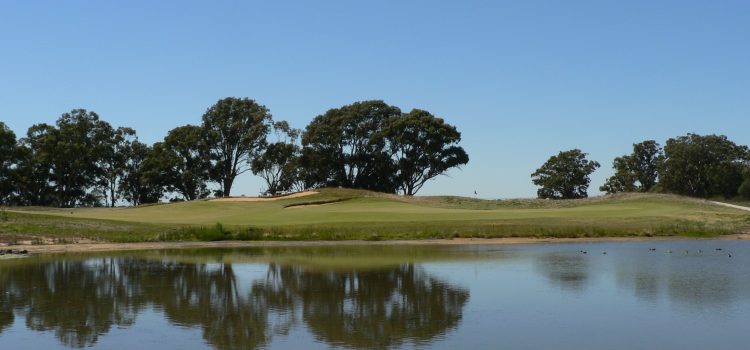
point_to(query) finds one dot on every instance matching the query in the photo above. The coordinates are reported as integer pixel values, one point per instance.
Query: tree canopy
(277, 164)
(421, 147)
(82, 160)
(140, 184)
(8, 155)
(565, 176)
(372, 145)
(637, 171)
(67, 156)
(235, 131)
(184, 160)
(744, 190)
(341, 148)
(703, 166)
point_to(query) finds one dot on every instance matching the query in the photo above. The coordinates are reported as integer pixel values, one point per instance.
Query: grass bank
(340, 214)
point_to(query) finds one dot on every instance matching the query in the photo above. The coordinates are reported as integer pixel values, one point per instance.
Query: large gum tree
(565, 176)
(235, 130)
(421, 147)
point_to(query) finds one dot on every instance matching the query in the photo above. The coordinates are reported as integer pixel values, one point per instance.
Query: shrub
(744, 190)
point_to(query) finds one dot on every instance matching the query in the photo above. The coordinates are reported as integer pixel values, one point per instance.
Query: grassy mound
(337, 214)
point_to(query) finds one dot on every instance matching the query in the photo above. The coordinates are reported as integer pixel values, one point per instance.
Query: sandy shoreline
(105, 247)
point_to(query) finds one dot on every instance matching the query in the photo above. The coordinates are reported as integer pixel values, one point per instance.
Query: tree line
(693, 165)
(82, 160)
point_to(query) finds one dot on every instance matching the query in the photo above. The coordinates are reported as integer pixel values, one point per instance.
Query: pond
(623, 295)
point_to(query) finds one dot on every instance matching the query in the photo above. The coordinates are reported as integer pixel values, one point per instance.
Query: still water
(639, 295)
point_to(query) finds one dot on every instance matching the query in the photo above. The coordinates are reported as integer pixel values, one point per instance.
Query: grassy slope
(353, 214)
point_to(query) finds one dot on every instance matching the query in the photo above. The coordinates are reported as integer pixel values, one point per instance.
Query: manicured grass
(338, 214)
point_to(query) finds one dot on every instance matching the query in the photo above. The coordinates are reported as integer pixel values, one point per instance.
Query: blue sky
(521, 80)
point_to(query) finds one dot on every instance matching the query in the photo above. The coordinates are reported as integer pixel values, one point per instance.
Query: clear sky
(521, 80)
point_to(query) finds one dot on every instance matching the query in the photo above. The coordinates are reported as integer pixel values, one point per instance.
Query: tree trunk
(227, 186)
(112, 195)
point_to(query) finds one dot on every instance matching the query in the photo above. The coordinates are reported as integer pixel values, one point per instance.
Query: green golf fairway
(354, 214)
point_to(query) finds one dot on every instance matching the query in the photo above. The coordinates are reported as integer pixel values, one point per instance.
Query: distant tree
(277, 163)
(310, 167)
(565, 176)
(32, 175)
(340, 147)
(744, 190)
(637, 171)
(37, 166)
(624, 178)
(136, 187)
(69, 153)
(112, 160)
(181, 163)
(421, 147)
(235, 130)
(647, 159)
(8, 159)
(703, 166)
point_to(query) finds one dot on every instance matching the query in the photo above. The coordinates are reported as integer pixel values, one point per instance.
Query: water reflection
(6, 312)
(698, 277)
(568, 271)
(80, 300)
(374, 309)
(388, 297)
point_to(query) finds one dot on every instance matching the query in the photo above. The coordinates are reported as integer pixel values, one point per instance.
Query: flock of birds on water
(668, 251)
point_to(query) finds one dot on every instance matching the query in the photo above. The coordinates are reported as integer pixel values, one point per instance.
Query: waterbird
(718, 248)
(730, 255)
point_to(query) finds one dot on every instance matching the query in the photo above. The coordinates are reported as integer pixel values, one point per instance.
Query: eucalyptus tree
(181, 162)
(277, 164)
(136, 186)
(744, 190)
(8, 158)
(565, 176)
(341, 147)
(235, 130)
(31, 175)
(623, 179)
(703, 166)
(638, 171)
(68, 154)
(112, 159)
(421, 147)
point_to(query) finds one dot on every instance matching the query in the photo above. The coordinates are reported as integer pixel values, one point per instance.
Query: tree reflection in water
(379, 308)
(569, 272)
(81, 300)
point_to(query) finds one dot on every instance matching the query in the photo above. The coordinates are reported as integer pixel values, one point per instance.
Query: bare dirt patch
(264, 199)
(740, 207)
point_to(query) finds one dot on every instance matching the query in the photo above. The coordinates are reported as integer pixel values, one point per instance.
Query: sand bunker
(263, 199)
(309, 205)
